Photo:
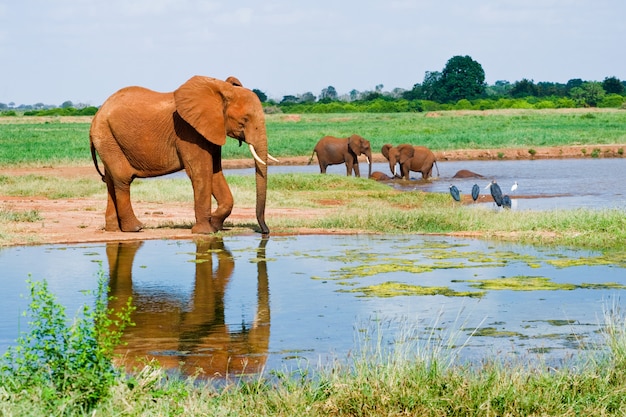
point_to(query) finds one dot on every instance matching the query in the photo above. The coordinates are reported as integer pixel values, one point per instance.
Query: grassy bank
(349, 203)
(55, 143)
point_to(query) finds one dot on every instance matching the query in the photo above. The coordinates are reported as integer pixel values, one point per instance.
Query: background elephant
(332, 151)
(142, 133)
(411, 158)
(380, 176)
(466, 173)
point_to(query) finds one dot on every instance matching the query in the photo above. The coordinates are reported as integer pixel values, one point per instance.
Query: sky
(52, 51)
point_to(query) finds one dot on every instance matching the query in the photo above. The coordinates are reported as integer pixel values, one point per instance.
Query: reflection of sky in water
(311, 317)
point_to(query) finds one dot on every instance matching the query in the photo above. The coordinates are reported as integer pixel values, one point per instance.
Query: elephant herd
(332, 151)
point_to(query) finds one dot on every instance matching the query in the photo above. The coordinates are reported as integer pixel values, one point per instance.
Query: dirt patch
(82, 220)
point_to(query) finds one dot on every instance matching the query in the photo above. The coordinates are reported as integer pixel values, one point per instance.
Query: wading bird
(496, 192)
(475, 192)
(454, 192)
(506, 202)
(514, 187)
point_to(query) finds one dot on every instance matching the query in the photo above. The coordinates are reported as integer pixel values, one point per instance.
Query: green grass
(58, 143)
(449, 131)
(360, 205)
(44, 144)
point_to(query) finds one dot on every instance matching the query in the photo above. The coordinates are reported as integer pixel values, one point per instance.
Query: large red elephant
(143, 133)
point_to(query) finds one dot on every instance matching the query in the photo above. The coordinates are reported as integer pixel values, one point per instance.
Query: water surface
(559, 183)
(241, 304)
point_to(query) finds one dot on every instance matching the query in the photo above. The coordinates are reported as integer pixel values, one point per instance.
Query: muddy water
(242, 304)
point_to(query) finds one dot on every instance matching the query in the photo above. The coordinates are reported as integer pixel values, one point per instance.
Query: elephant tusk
(272, 158)
(256, 156)
(395, 171)
(368, 160)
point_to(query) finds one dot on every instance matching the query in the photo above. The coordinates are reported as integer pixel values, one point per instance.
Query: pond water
(243, 303)
(552, 183)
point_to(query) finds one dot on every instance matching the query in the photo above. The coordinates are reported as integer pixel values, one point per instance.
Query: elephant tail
(311, 158)
(95, 160)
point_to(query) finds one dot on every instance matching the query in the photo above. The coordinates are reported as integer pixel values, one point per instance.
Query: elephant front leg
(224, 199)
(355, 167)
(202, 204)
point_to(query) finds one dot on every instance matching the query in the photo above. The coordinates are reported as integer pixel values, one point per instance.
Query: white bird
(514, 186)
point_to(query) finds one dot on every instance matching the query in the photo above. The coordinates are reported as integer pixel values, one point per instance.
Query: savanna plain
(50, 193)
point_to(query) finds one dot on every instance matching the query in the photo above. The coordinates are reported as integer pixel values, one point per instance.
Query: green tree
(613, 85)
(462, 77)
(574, 82)
(289, 99)
(524, 88)
(413, 94)
(432, 85)
(588, 94)
(261, 95)
(500, 88)
(307, 97)
(328, 94)
(548, 89)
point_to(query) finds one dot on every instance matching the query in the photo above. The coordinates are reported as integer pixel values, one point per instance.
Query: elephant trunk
(392, 166)
(261, 183)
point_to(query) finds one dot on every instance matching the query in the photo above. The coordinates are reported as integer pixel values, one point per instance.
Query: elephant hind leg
(119, 213)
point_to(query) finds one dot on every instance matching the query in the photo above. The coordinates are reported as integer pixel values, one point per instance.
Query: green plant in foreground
(69, 364)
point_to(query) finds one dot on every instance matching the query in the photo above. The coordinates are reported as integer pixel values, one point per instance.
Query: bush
(66, 363)
(612, 100)
(545, 104)
(565, 103)
(463, 104)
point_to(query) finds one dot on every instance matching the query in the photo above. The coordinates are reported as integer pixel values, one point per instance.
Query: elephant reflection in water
(191, 335)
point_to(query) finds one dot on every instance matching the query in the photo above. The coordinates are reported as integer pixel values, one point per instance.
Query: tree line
(459, 85)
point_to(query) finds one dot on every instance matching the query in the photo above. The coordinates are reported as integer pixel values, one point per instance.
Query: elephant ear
(234, 81)
(354, 143)
(406, 153)
(201, 102)
(385, 150)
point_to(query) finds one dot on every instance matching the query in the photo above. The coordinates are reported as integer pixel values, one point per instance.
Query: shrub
(463, 104)
(545, 104)
(565, 103)
(612, 100)
(65, 362)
